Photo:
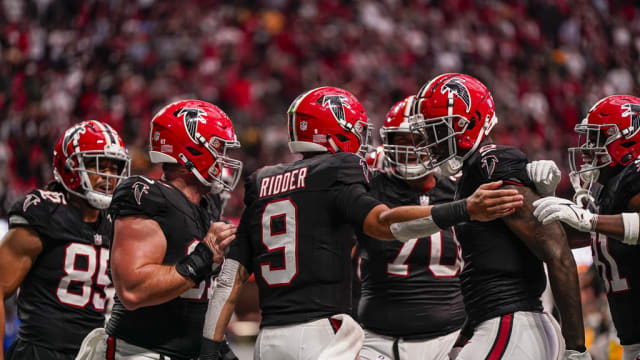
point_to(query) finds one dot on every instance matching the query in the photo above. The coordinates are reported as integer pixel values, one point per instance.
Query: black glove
(216, 350)
(198, 265)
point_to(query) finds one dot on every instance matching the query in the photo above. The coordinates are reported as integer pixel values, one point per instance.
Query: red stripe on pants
(111, 348)
(504, 332)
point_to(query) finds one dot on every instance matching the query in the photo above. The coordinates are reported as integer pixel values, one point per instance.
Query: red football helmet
(453, 114)
(328, 119)
(401, 158)
(608, 136)
(197, 135)
(79, 151)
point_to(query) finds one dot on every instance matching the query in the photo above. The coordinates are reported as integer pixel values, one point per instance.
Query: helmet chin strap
(582, 183)
(451, 167)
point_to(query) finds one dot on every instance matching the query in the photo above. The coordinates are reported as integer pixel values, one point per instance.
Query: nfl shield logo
(424, 200)
(97, 239)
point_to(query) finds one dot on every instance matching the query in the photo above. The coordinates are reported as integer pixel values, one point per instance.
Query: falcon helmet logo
(456, 86)
(489, 164)
(192, 116)
(633, 112)
(139, 189)
(30, 200)
(70, 135)
(336, 104)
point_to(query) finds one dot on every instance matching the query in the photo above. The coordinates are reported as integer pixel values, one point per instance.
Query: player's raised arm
(409, 222)
(549, 244)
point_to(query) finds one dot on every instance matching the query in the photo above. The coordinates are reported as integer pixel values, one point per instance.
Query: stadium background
(119, 61)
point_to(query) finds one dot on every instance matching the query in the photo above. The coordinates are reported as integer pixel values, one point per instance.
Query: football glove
(546, 176)
(550, 209)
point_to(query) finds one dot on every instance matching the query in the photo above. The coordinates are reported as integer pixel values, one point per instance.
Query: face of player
(103, 172)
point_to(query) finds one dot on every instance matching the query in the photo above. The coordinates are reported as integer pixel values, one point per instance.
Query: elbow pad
(413, 229)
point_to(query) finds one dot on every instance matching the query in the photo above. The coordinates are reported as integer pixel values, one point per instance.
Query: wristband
(631, 224)
(451, 213)
(196, 266)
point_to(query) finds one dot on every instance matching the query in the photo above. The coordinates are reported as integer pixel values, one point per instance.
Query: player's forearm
(611, 226)
(563, 277)
(2, 321)
(378, 222)
(151, 284)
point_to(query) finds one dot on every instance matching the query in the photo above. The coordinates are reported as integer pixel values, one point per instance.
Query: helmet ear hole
(628, 144)
(341, 137)
(193, 151)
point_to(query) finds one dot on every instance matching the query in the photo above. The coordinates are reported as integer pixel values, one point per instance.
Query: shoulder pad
(496, 162)
(350, 168)
(138, 195)
(35, 209)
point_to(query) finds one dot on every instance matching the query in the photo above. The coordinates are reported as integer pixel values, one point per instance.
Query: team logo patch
(30, 200)
(633, 112)
(336, 104)
(489, 164)
(192, 117)
(139, 189)
(457, 87)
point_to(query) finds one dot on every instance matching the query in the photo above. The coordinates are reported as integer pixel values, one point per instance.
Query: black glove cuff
(449, 214)
(198, 265)
(210, 349)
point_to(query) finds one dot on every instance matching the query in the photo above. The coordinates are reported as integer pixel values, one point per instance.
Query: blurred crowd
(119, 61)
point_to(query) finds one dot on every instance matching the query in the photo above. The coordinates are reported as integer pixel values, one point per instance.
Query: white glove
(550, 209)
(576, 355)
(583, 196)
(546, 175)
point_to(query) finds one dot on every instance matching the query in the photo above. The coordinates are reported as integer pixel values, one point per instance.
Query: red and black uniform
(618, 263)
(501, 275)
(411, 290)
(173, 328)
(296, 235)
(64, 295)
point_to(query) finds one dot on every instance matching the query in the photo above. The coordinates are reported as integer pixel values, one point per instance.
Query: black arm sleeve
(354, 203)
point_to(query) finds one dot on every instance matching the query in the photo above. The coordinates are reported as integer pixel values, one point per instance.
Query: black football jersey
(296, 235)
(501, 275)
(619, 263)
(411, 289)
(65, 293)
(173, 328)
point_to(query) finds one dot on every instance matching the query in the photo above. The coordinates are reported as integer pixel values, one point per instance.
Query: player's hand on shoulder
(551, 208)
(489, 202)
(546, 175)
(219, 236)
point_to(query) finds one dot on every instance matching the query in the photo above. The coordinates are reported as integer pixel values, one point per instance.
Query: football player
(57, 249)
(411, 305)
(296, 234)
(165, 241)
(609, 146)
(503, 276)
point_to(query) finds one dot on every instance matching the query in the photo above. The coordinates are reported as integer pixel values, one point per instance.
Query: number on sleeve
(285, 240)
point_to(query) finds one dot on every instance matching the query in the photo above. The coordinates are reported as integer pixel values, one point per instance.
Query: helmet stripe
(99, 125)
(293, 134)
(112, 134)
